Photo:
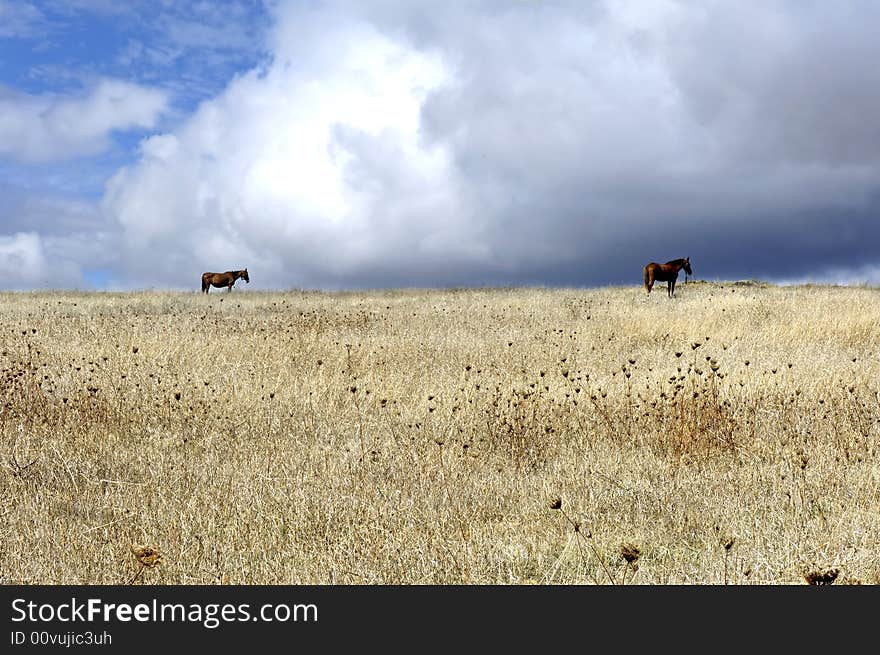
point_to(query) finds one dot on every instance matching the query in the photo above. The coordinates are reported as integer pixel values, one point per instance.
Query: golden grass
(729, 435)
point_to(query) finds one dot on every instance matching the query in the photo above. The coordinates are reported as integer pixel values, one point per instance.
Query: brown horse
(221, 280)
(667, 272)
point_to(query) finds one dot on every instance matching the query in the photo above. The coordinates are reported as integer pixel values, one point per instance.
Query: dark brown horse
(221, 280)
(667, 272)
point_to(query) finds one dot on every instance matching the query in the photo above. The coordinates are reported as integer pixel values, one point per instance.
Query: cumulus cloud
(309, 171)
(523, 142)
(52, 241)
(23, 263)
(45, 128)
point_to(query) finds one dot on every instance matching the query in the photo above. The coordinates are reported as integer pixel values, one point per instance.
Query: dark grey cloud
(744, 135)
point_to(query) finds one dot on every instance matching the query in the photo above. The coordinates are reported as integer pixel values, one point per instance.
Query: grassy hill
(729, 434)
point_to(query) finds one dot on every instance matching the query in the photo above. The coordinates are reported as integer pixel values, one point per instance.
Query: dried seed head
(728, 544)
(146, 555)
(556, 503)
(820, 576)
(630, 552)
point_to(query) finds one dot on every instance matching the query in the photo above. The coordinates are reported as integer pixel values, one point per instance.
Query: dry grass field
(729, 435)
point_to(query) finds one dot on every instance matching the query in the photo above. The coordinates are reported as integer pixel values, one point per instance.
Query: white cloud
(23, 263)
(311, 170)
(52, 240)
(36, 129)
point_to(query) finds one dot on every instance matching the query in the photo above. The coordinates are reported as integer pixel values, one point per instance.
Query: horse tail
(204, 283)
(647, 279)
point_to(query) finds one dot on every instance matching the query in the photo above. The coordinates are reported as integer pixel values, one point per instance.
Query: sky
(347, 144)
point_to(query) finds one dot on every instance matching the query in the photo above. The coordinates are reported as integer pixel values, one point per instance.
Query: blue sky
(62, 49)
(341, 144)
(193, 48)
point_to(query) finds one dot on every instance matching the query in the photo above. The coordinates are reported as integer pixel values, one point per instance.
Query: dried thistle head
(146, 555)
(728, 543)
(556, 503)
(820, 576)
(630, 552)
